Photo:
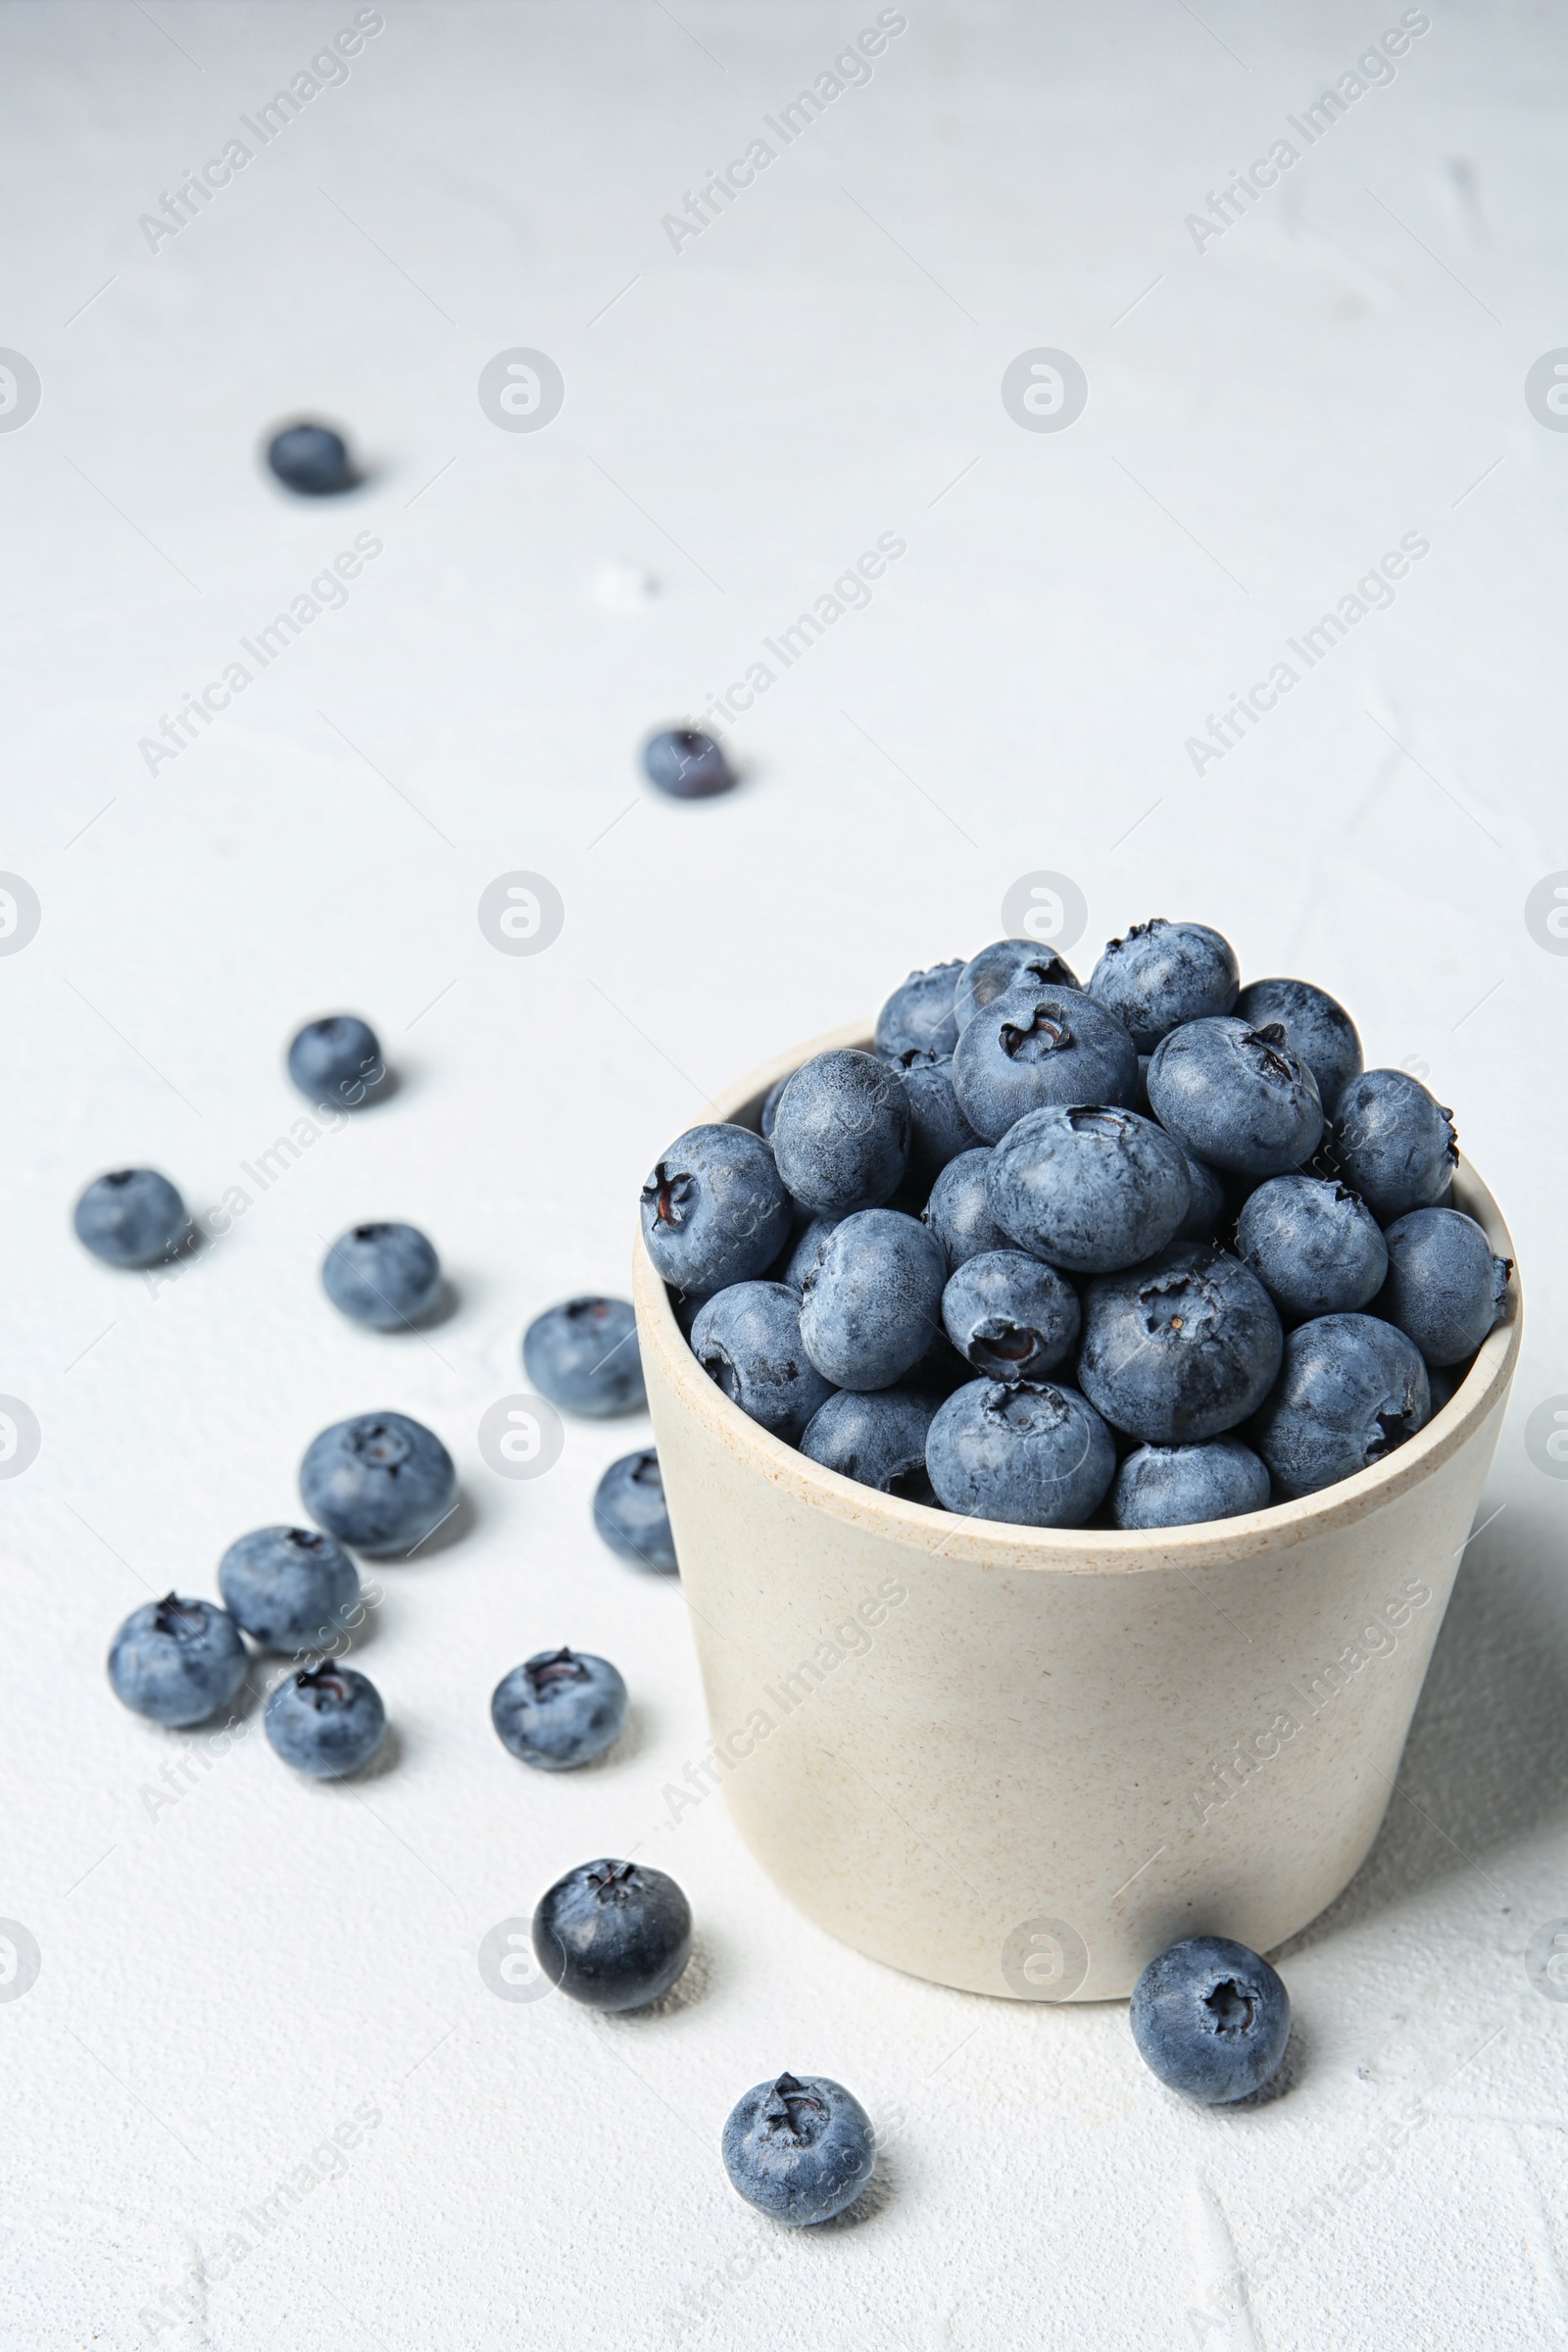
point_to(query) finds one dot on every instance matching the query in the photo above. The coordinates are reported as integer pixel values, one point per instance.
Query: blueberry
(877, 1438)
(800, 2149)
(998, 967)
(919, 1019)
(1182, 1349)
(841, 1132)
(1089, 1189)
(806, 1252)
(325, 1721)
(1179, 1486)
(384, 1275)
(612, 1934)
(1351, 1389)
(631, 1514)
(687, 764)
(1008, 1316)
(958, 1212)
(336, 1059)
(748, 1340)
(1316, 1027)
(1031, 1047)
(312, 459)
(132, 1217)
(1164, 974)
(560, 1709)
(939, 1132)
(1316, 1248)
(291, 1589)
(1038, 1456)
(714, 1210)
(584, 1356)
(1210, 2019)
(871, 1305)
(1207, 1204)
(770, 1103)
(1236, 1097)
(1394, 1143)
(178, 1660)
(379, 1483)
(1445, 1290)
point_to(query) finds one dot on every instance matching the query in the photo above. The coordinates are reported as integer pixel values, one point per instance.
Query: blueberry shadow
(1293, 2071)
(1487, 1760)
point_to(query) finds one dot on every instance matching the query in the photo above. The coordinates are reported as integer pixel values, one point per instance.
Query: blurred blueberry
(687, 764)
(583, 1356)
(630, 1512)
(1210, 2019)
(748, 1341)
(939, 1132)
(380, 1274)
(1316, 1027)
(958, 1212)
(998, 967)
(841, 1131)
(1180, 1486)
(325, 1721)
(1088, 1189)
(1179, 1350)
(379, 1483)
(132, 1217)
(714, 1210)
(1164, 974)
(1008, 1316)
(311, 460)
(1395, 1144)
(336, 1059)
(869, 1306)
(1316, 1248)
(1033, 1047)
(1351, 1389)
(178, 1661)
(800, 2149)
(291, 1589)
(770, 1103)
(1445, 1289)
(612, 1934)
(917, 1018)
(561, 1708)
(1037, 1456)
(1236, 1097)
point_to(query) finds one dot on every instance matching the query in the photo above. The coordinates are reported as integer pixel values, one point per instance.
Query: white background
(226, 1978)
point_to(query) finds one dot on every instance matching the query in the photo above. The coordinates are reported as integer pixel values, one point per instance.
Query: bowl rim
(1075, 1550)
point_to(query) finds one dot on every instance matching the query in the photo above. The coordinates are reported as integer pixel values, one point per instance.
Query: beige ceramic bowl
(1025, 1761)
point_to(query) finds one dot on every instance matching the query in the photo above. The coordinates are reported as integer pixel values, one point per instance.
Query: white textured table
(235, 1967)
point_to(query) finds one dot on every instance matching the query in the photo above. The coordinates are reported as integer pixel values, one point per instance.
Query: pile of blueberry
(1144, 1251)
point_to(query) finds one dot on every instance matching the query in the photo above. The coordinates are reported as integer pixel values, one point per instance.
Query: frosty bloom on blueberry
(132, 1217)
(560, 1709)
(799, 2148)
(1112, 1202)
(714, 1210)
